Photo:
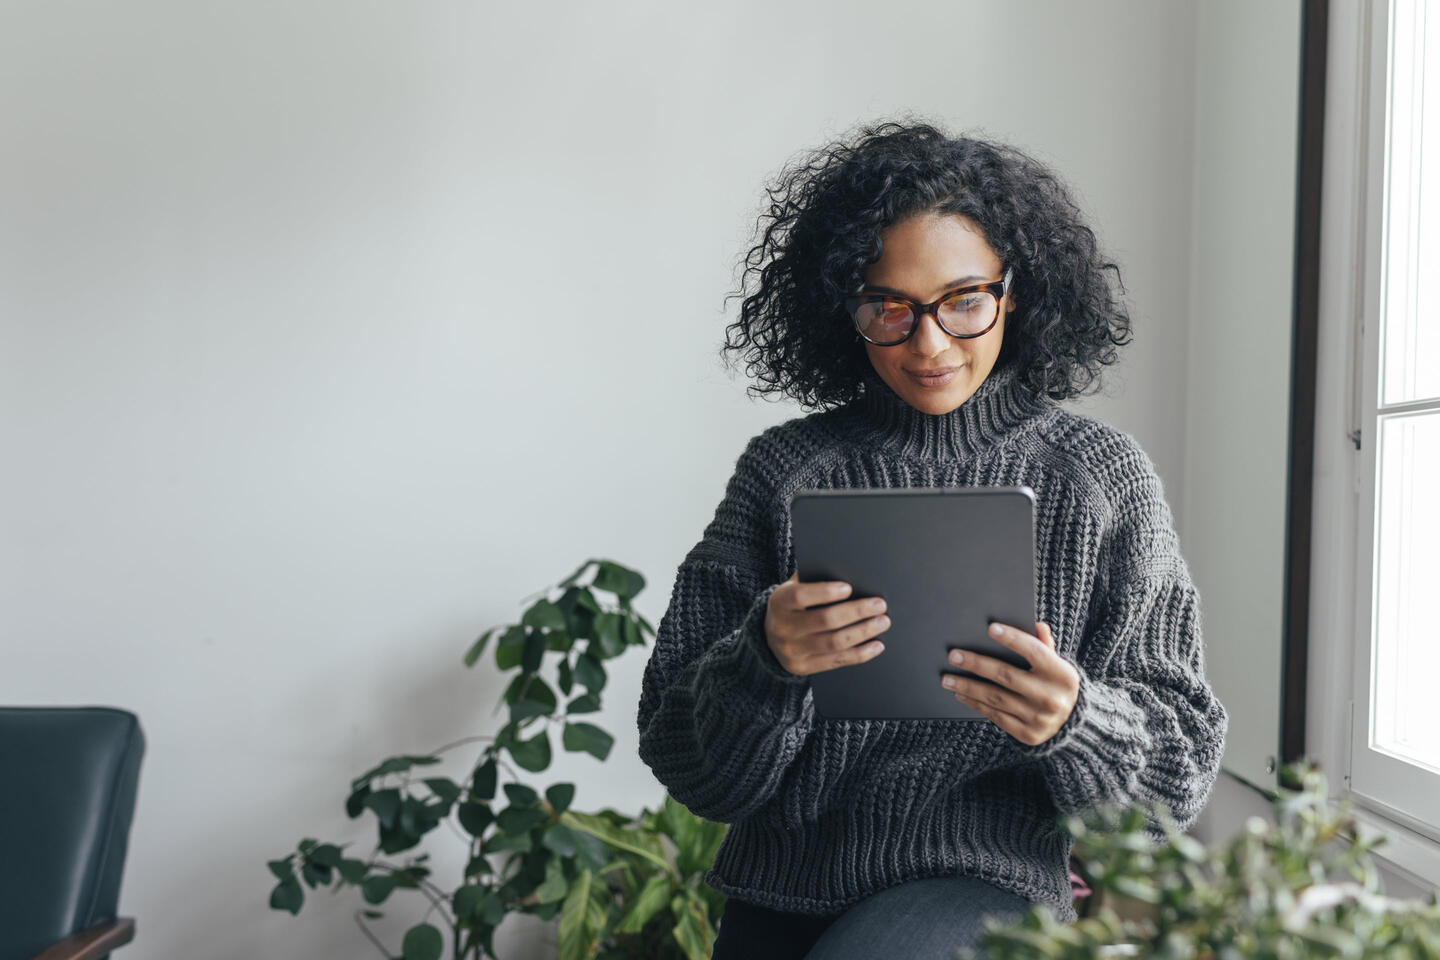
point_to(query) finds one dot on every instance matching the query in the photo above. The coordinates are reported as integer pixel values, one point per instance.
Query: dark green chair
(68, 777)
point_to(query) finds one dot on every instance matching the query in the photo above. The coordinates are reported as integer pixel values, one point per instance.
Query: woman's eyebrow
(963, 281)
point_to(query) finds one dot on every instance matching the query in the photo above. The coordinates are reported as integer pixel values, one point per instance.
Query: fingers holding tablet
(1031, 705)
(812, 627)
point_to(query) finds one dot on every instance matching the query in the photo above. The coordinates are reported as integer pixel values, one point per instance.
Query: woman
(930, 298)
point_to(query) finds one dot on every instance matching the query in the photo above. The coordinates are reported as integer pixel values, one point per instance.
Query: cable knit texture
(827, 812)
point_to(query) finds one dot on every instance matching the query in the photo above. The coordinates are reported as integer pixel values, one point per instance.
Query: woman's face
(926, 256)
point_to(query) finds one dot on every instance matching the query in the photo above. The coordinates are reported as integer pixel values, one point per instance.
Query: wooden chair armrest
(93, 943)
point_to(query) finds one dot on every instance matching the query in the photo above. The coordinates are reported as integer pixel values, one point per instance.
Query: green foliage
(1304, 887)
(650, 900)
(620, 886)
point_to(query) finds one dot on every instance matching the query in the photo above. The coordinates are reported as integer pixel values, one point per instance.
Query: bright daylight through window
(1396, 740)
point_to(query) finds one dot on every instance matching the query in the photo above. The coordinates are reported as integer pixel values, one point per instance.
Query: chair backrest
(68, 777)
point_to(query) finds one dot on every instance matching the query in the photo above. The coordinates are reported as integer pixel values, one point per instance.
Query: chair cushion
(70, 776)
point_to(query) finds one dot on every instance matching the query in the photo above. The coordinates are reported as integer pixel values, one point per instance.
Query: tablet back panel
(948, 561)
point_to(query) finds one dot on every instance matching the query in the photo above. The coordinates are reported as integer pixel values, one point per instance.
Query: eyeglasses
(886, 319)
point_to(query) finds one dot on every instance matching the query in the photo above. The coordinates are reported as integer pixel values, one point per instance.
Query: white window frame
(1350, 303)
(1402, 791)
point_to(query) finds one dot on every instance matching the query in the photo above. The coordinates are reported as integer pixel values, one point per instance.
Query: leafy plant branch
(1302, 887)
(619, 885)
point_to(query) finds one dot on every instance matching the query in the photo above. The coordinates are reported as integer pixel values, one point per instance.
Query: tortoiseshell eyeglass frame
(996, 288)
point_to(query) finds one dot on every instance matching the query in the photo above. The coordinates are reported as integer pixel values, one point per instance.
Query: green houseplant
(1303, 887)
(620, 886)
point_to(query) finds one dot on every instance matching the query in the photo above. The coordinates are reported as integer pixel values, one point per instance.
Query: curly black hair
(822, 228)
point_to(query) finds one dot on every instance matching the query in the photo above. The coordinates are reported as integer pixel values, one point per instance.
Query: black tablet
(947, 560)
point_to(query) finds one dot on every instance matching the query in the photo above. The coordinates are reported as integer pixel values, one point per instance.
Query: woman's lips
(935, 379)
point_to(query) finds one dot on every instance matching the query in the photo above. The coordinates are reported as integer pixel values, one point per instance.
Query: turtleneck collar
(999, 405)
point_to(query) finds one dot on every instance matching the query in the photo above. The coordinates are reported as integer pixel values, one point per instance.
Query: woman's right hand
(811, 641)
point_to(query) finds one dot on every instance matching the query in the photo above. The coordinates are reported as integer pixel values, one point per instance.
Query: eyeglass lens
(889, 321)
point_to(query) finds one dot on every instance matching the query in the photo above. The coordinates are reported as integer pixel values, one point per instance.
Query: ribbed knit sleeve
(720, 719)
(1146, 726)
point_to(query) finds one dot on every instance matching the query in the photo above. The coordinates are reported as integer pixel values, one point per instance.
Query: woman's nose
(929, 337)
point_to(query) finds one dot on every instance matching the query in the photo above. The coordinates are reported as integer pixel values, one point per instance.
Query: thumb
(1042, 630)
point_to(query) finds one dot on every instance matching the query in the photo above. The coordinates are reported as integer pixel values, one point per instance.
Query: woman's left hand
(1030, 705)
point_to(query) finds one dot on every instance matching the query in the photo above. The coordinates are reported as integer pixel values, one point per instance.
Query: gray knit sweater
(826, 812)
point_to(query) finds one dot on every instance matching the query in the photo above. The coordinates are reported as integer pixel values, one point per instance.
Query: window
(1395, 720)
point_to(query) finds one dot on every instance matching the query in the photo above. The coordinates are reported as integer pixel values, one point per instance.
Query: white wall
(331, 330)
(1238, 406)
(1237, 409)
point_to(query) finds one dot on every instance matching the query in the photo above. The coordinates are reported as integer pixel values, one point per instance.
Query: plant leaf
(444, 788)
(590, 851)
(684, 828)
(394, 840)
(560, 795)
(526, 708)
(559, 839)
(651, 899)
(467, 898)
(313, 874)
(607, 635)
(621, 581)
(631, 631)
(355, 803)
(386, 804)
(422, 942)
(533, 652)
(491, 910)
(712, 834)
(287, 895)
(326, 855)
(588, 738)
(645, 844)
(554, 886)
(475, 817)
(376, 888)
(392, 765)
(510, 647)
(579, 607)
(478, 647)
(544, 615)
(501, 842)
(692, 929)
(353, 871)
(529, 687)
(589, 673)
(576, 575)
(585, 599)
(521, 795)
(576, 939)
(534, 754)
(483, 784)
(585, 703)
(514, 820)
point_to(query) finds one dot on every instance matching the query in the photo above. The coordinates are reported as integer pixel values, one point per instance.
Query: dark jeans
(920, 920)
